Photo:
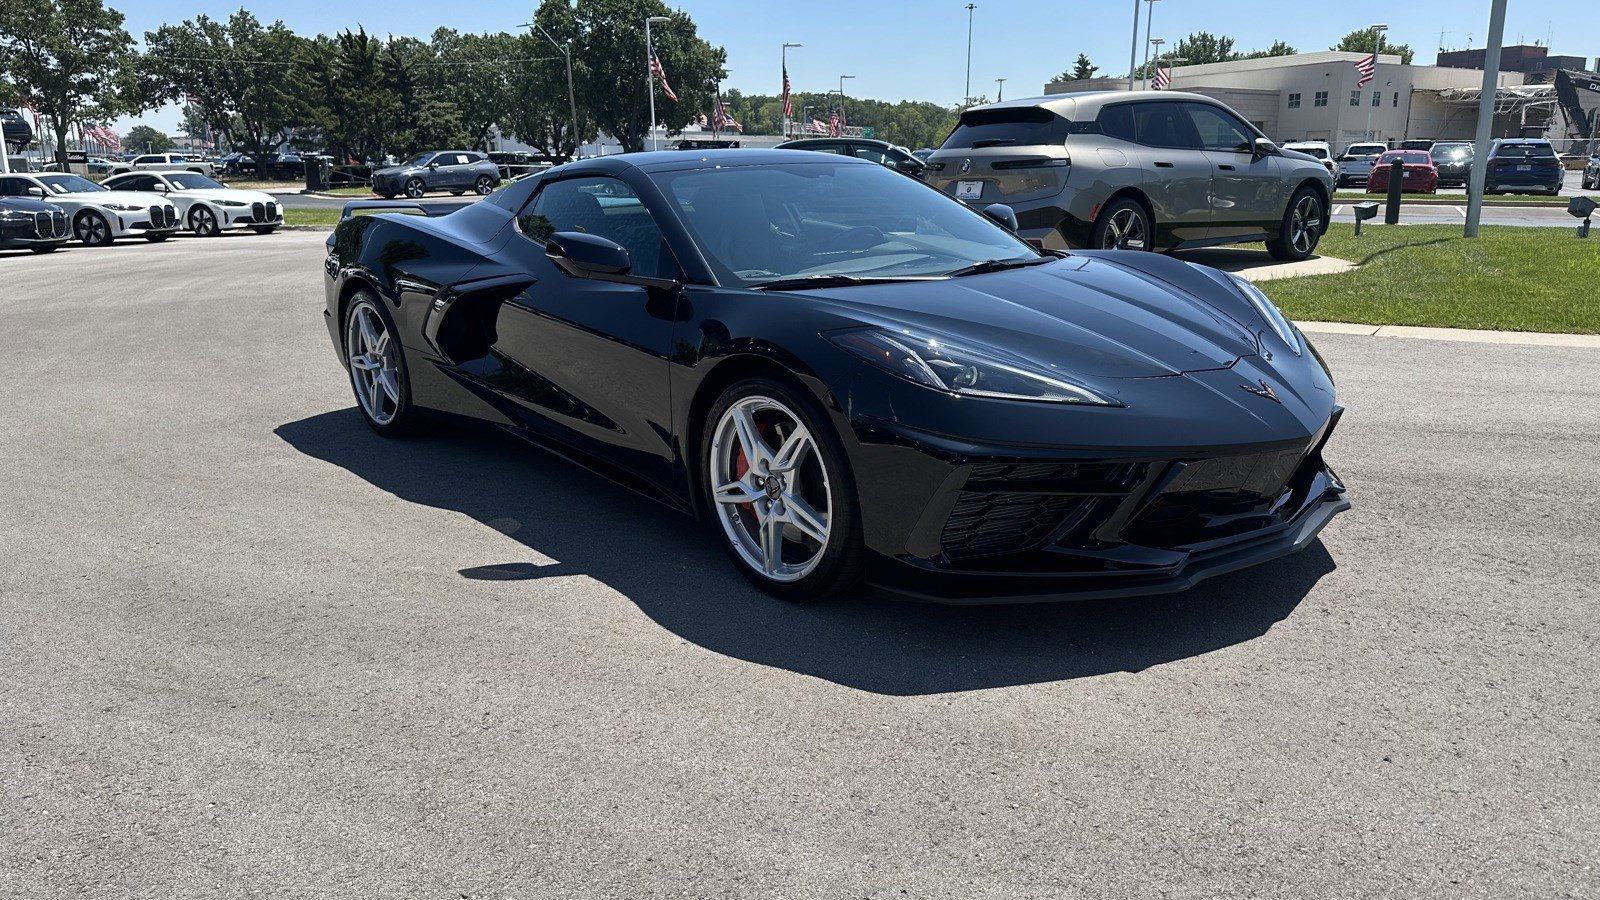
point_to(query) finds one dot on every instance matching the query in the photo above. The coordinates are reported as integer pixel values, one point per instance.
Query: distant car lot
(456, 667)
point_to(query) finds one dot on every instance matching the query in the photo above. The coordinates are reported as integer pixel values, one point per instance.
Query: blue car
(1523, 166)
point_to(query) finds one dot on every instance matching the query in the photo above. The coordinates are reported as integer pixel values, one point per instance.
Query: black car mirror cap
(1002, 215)
(584, 255)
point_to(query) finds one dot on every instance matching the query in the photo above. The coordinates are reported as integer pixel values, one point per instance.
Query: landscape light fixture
(1581, 208)
(1364, 211)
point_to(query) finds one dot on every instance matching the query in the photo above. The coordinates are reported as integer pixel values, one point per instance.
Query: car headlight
(230, 203)
(15, 215)
(936, 363)
(1269, 311)
(123, 207)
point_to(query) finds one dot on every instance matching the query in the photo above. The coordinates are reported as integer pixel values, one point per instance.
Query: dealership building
(1313, 96)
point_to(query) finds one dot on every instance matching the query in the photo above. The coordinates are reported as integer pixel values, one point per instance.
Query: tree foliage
(1366, 40)
(1080, 70)
(909, 123)
(144, 139)
(1278, 48)
(68, 59)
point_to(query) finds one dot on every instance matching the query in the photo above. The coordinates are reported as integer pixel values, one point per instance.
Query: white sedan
(205, 206)
(99, 215)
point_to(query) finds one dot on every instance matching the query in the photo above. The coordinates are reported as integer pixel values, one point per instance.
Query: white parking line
(1337, 210)
(1460, 210)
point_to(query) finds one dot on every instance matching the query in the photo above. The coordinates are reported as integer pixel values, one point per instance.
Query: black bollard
(1397, 183)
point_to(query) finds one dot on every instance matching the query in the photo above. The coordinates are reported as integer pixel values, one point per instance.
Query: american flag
(1162, 79)
(657, 71)
(817, 126)
(719, 114)
(833, 124)
(788, 107)
(1367, 66)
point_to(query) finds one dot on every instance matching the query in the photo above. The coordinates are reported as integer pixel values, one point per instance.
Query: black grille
(162, 217)
(59, 222)
(258, 212)
(1222, 497)
(41, 224)
(169, 216)
(272, 212)
(987, 524)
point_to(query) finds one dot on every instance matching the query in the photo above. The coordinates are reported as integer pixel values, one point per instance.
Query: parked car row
(456, 171)
(42, 212)
(1514, 166)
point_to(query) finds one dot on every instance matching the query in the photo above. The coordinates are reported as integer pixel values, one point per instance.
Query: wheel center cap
(773, 487)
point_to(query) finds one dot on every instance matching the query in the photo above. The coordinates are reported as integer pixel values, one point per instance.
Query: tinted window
(1164, 125)
(874, 154)
(825, 148)
(1020, 126)
(602, 206)
(1117, 121)
(1525, 151)
(147, 160)
(1218, 130)
(14, 187)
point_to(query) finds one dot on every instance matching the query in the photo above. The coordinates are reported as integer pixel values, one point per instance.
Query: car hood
(27, 205)
(1101, 316)
(129, 198)
(228, 194)
(398, 170)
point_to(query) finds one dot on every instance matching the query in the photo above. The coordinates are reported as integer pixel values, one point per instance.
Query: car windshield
(418, 159)
(1406, 157)
(189, 181)
(69, 184)
(1358, 151)
(1452, 151)
(1525, 151)
(1317, 152)
(763, 224)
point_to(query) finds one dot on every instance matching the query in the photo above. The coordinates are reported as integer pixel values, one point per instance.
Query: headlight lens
(14, 215)
(936, 363)
(123, 207)
(1269, 311)
(230, 203)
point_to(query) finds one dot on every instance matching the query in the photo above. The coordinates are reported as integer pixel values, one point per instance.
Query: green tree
(145, 139)
(474, 75)
(540, 115)
(1366, 40)
(1278, 48)
(68, 59)
(1203, 47)
(1080, 70)
(351, 107)
(236, 72)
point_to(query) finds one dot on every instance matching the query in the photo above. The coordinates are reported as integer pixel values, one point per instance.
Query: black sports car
(851, 374)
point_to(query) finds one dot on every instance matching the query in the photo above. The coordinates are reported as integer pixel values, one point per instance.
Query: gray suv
(1142, 171)
(456, 171)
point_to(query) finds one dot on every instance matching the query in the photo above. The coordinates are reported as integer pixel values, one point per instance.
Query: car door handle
(1163, 165)
(1225, 167)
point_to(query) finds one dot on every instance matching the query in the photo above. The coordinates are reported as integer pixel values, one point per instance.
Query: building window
(1377, 98)
(1322, 98)
(1294, 101)
(1355, 98)
(1396, 99)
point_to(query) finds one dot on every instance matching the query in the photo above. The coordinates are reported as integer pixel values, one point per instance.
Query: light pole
(1156, 43)
(786, 120)
(841, 101)
(1149, 16)
(970, 8)
(1376, 49)
(572, 96)
(650, 73)
(805, 118)
(1000, 89)
(1133, 47)
(1480, 144)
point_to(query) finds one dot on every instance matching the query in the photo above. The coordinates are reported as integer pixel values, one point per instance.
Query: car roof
(1087, 104)
(681, 160)
(803, 142)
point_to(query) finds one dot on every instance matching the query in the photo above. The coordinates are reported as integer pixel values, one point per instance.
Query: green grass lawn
(298, 216)
(349, 191)
(1508, 279)
(1458, 199)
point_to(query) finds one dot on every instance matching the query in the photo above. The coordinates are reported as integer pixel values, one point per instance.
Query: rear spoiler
(368, 207)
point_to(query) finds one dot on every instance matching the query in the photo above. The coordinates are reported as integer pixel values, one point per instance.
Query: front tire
(1301, 228)
(263, 229)
(779, 487)
(1123, 225)
(414, 188)
(92, 230)
(203, 221)
(47, 248)
(157, 238)
(377, 366)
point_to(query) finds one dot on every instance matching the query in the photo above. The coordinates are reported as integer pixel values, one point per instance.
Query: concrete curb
(1463, 335)
(306, 227)
(1345, 201)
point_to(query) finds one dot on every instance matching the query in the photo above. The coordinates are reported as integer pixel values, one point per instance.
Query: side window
(1164, 124)
(606, 207)
(874, 154)
(1117, 121)
(837, 149)
(13, 187)
(147, 160)
(1218, 130)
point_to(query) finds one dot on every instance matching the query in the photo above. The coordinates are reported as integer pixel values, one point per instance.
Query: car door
(1177, 173)
(455, 171)
(1247, 196)
(583, 361)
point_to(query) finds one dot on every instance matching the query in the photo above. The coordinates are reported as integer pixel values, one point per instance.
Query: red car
(1420, 176)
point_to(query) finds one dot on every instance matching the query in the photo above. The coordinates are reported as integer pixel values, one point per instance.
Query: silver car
(456, 171)
(1144, 171)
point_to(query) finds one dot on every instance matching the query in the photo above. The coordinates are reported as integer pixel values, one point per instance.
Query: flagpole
(1376, 49)
(787, 119)
(649, 51)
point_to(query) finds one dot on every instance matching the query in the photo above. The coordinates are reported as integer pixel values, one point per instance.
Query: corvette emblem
(966, 166)
(1265, 390)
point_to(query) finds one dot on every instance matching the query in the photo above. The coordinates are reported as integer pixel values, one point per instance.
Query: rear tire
(377, 366)
(779, 497)
(1301, 228)
(1123, 225)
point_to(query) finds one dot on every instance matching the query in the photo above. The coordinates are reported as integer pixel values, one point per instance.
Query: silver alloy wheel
(415, 188)
(771, 494)
(1125, 231)
(91, 229)
(203, 221)
(374, 370)
(484, 185)
(1304, 224)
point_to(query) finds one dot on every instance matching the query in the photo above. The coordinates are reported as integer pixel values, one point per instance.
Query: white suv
(1356, 163)
(1318, 150)
(165, 162)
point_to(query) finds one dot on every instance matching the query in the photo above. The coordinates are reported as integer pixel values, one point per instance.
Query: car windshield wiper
(801, 282)
(995, 265)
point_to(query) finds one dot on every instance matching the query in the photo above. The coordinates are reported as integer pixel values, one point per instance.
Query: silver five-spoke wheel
(374, 367)
(1306, 224)
(770, 488)
(1125, 230)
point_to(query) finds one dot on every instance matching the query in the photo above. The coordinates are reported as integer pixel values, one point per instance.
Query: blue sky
(917, 50)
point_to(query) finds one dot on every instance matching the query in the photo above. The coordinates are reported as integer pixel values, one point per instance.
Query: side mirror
(433, 165)
(585, 255)
(36, 191)
(1263, 147)
(1002, 215)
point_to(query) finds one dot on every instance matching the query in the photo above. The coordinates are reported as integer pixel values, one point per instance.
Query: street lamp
(841, 101)
(805, 118)
(999, 90)
(1156, 43)
(572, 97)
(970, 8)
(1133, 47)
(1149, 16)
(786, 126)
(1377, 48)
(650, 73)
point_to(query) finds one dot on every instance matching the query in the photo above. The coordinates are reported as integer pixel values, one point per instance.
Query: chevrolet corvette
(850, 375)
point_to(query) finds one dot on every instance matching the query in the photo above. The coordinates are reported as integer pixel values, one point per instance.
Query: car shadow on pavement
(678, 576)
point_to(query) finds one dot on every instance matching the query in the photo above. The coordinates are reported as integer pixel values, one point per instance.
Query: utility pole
(572, 96)
(1376, 49)
(1149, 18)
(1480, 146)
(1156, 43)
(970, 8)
(1000, 89)
(650, 73)
(1133, 48)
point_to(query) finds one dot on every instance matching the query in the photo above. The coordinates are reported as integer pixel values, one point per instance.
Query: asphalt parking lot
(247, 648)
